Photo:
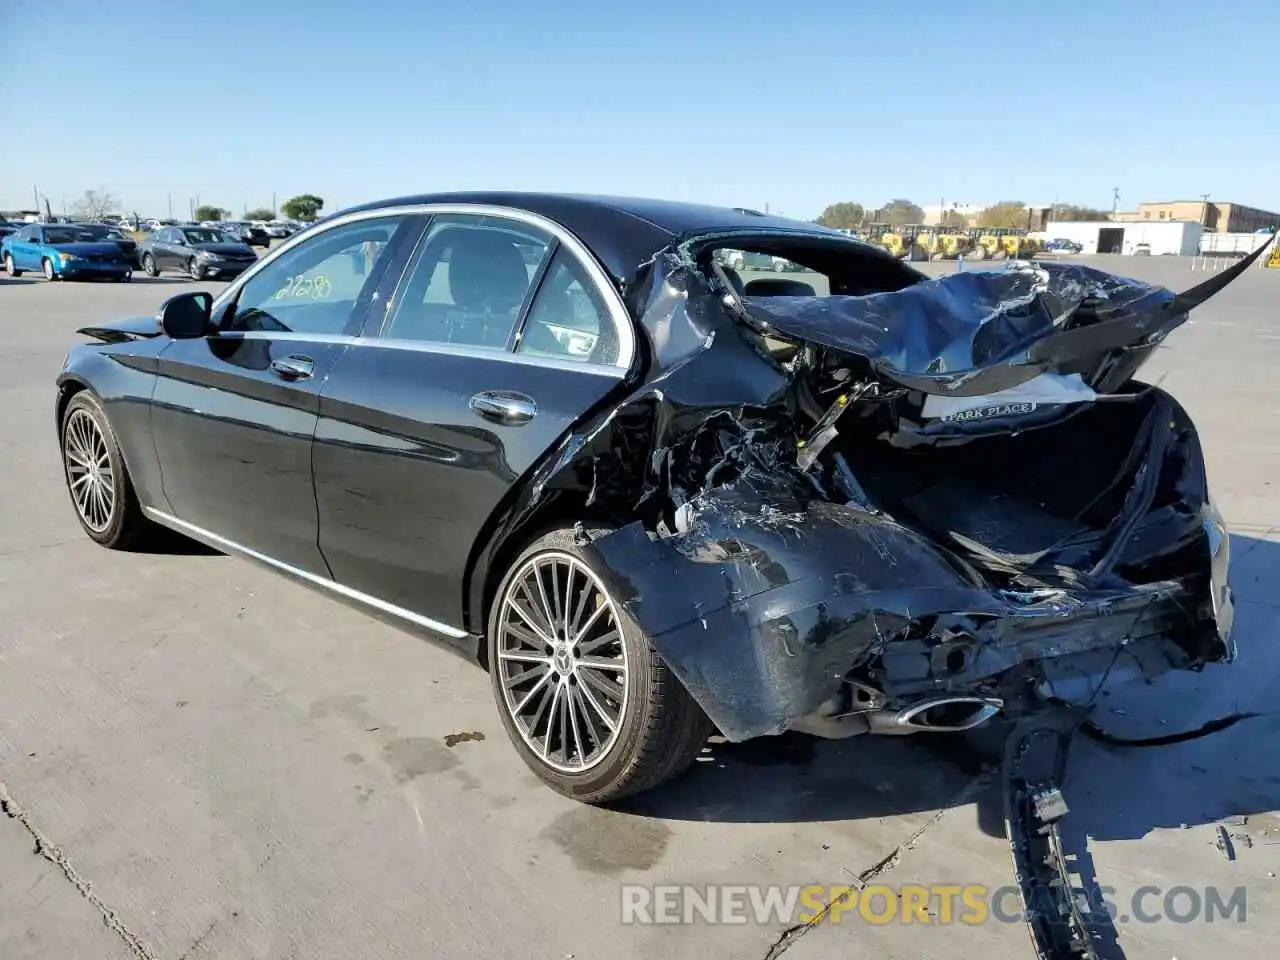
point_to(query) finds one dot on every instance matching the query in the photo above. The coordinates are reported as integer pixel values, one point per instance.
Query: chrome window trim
(426, 346)
(222, 543)
(613, 300)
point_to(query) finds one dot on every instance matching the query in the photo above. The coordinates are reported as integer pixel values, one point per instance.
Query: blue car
(63, 251)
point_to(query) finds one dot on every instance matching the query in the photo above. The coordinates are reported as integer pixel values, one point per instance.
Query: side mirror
(187, 316)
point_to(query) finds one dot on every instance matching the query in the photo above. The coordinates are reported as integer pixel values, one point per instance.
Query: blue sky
(794, 104)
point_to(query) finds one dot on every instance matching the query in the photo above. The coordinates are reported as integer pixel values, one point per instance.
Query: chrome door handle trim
(293, 368)
(504, 406)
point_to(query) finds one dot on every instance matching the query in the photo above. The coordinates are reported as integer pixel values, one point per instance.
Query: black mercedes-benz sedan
(655, 497)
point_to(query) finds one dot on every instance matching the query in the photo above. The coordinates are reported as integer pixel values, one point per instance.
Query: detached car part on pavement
(560, 435)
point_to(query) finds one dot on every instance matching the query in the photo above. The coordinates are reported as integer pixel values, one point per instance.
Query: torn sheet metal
(979, 332)
(767, 575)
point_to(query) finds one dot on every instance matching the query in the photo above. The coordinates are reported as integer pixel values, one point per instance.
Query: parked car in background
(199, 252)
(109, 233)
(157, 224)
(694, 507)
(1142, 250)
(63, 251)
(247, 233)
(1063, 245)
(7, 228)
(278, 229)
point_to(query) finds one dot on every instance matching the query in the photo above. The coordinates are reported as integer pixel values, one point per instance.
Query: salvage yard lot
(242, 768)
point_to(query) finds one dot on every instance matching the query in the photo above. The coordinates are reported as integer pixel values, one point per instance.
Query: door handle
(293, 368)
(504, 406)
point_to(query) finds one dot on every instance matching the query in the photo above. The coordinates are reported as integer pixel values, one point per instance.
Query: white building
(1176, 237)
(933, 215)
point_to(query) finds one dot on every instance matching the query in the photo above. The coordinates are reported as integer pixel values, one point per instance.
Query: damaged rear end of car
(906, 506)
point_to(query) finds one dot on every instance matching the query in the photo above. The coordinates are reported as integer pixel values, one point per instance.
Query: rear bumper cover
(762, 614)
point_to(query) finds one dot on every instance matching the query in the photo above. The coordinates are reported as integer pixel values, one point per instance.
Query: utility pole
(1115, 201)
(275, 211)
(170, 204)
(35, 192)
(1204, 210)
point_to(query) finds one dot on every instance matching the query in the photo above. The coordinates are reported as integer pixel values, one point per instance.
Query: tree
(845, 215)
(901, 212)
(207, 212)
(1069, 212)
(306, 206)
(954, 218)
(260, 213)
(1006, 213)
(95, 204)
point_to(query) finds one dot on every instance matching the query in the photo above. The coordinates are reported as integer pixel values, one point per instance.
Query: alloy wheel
(89, 474)
(562, 661)
(47, 266)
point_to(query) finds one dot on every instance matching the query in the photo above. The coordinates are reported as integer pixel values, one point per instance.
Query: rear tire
(97, 478)
(556, 700)
(9, 268)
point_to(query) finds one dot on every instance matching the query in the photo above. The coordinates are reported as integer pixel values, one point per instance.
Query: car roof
(622, 231)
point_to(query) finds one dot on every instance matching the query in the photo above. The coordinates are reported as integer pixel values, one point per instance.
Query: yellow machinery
(1273, 258)
(939, 243)
(1018, 245)
(894, 242)
(991, 241)
(952, 244)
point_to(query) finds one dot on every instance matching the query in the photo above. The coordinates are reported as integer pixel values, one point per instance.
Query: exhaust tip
(950, 714)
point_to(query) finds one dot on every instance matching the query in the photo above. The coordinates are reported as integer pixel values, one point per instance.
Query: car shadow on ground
(143, 278)
(6, 281)
(164, 542)
(1116, 792)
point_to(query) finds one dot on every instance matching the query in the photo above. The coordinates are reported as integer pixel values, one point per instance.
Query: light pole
(1204, 210)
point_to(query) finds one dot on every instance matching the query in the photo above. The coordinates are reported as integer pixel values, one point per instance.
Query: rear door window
(569, 319)
(468, 282)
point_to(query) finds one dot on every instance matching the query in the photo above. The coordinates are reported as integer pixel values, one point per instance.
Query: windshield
(101, 232)
(68, 235)
(206, 236)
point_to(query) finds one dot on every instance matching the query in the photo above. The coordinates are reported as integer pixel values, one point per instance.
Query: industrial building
(1213, 216)
(1179, 238)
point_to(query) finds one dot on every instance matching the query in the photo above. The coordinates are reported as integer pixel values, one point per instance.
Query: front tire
(149, 266)
(585, 699)
(97, 479)
(194, 270)
(46, 265)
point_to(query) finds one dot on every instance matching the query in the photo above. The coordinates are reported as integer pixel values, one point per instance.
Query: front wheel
(97, 479)
(194, 269)
(47, 266)
(149, 266)
(9, 267)
(587, 702)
